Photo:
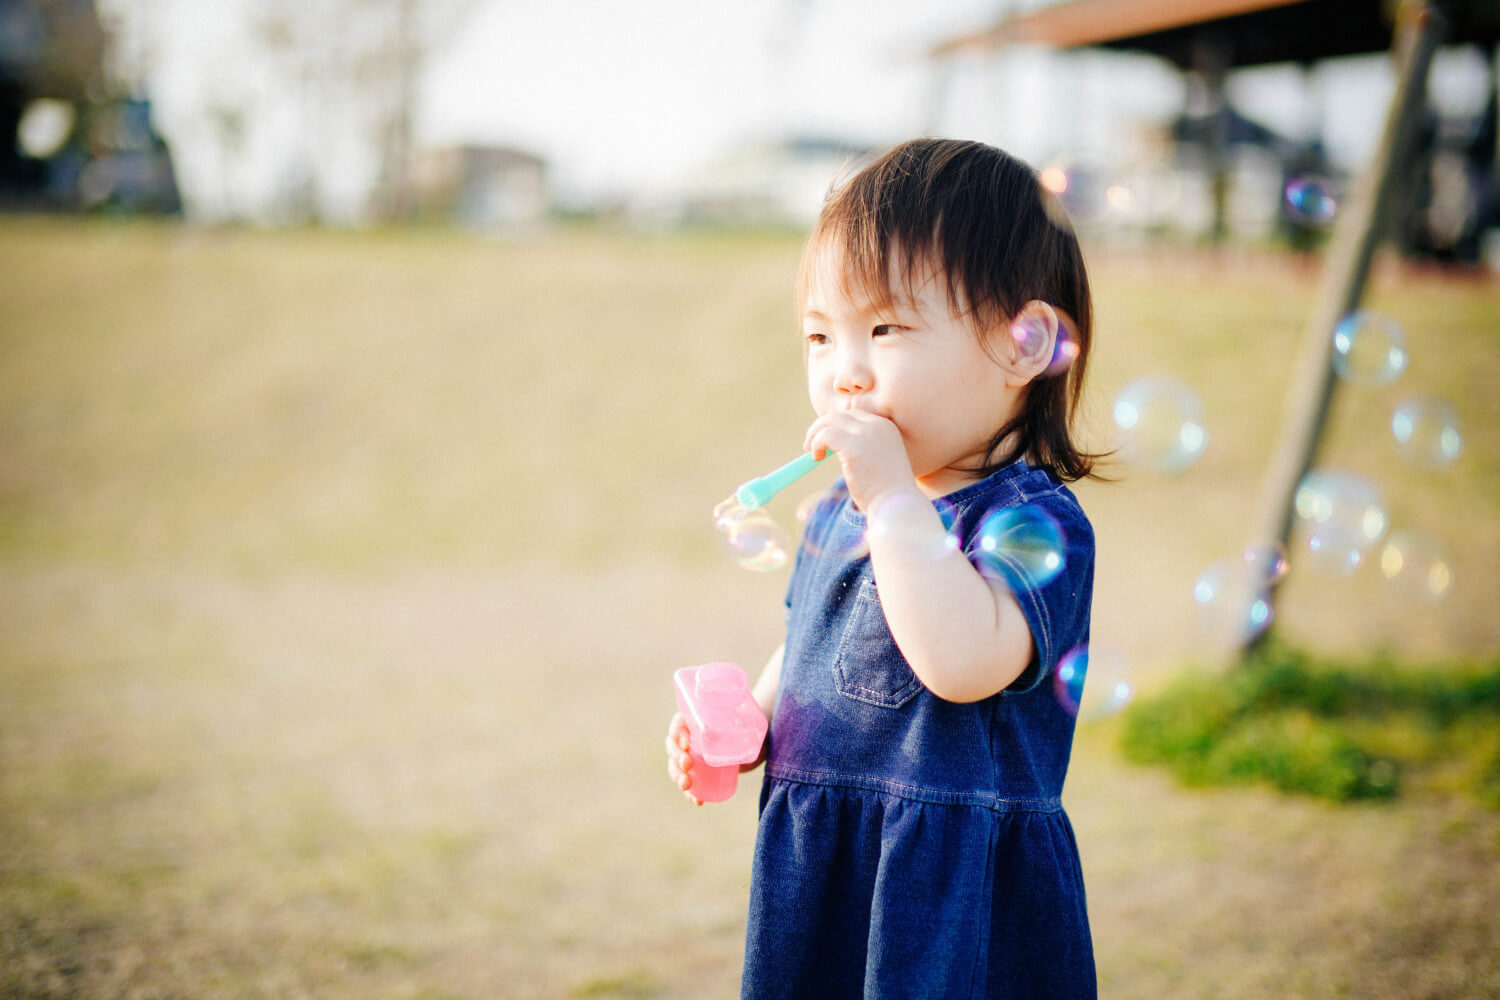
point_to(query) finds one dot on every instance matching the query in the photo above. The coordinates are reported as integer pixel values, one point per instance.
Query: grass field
(343, 574)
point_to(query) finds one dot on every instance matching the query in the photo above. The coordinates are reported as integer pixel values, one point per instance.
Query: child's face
(918, 365)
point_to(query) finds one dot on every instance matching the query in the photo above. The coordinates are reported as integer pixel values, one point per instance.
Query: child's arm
(963, 639)
(680, 761)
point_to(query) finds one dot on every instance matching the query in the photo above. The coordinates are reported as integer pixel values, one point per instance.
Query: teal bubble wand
(758, 492)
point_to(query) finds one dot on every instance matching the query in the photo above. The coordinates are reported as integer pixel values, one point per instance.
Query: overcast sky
(618, 95)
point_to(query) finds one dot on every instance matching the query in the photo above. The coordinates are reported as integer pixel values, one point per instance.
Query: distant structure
(1450, 181)
(74, 143)
(487, 188)
(780, 182)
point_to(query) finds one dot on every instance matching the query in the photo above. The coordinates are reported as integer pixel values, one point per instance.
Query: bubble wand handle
(759, 491)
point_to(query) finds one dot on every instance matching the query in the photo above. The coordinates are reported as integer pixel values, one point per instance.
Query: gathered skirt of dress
(862, 893)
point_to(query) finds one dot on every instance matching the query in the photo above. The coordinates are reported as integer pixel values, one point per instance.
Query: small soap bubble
(1067, 679)
(1426, 432)
(1161, 423)
(1233, 601)
(893, 517)
(1368, 349)
(1310, 200)
(755, 541)
(1345, 517)
(1024, 546)
(1269, 562)
(1417, 565)
(1107, 674)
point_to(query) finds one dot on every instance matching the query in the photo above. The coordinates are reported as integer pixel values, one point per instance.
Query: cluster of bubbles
(1160, 426)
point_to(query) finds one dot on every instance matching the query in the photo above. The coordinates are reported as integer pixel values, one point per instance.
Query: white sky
(618, 95)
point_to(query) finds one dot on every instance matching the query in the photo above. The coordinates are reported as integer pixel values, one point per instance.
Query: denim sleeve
(1057, 610)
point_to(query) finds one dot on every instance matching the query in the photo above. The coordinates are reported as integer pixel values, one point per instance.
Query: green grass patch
(1333, 730)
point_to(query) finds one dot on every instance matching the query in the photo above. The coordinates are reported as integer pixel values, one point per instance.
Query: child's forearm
(764, 693)
(963, 639)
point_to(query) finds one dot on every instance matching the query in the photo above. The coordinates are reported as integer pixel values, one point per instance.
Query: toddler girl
(912, 842)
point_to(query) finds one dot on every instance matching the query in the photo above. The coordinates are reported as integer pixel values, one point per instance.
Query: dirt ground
(343, 577)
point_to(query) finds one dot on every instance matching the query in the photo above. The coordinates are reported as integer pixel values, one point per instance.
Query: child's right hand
(679, 760)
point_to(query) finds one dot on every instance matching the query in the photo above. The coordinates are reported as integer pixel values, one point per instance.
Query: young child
(912, 842)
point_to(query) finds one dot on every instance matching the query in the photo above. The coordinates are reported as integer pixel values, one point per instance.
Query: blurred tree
(359, 59)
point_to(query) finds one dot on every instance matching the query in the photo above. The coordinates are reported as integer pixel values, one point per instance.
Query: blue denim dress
(908, 846)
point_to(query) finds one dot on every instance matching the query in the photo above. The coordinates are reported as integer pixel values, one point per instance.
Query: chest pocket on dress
(869, 667)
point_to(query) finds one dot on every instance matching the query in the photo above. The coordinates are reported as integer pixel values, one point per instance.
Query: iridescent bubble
(1310, 200)
(1024, 546)
(1345, 517)
(1047, 329)
(1161, 423)
(1068, 678)
(1103, 670)
(1416, 564)
(1233, 601)
(1269, 561)
(1368, 349)
(1426, 432)
(894, 516)
(845, 545)
(754, 540)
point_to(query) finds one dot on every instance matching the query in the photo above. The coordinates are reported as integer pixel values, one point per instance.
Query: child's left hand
(870, 450)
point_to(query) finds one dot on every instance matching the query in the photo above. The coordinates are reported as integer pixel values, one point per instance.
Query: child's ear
(1030, 342)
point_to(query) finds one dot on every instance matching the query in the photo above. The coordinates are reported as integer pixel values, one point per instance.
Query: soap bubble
(1067, 679)
(754, 540)
(1310, 200)
(1161, 423)
(1416, 564)
(1232, 599)
(1023, 545)
(1269, 561)
(1345, 517)
(1426, 432)
(850, 546)
(892, 518)
(1368, 349)
(1048, 329)
(1105, 670)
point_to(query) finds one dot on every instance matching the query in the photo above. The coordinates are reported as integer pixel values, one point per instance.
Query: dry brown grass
(343, 575)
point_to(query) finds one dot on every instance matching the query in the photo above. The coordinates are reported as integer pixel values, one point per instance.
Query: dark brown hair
(980, 218)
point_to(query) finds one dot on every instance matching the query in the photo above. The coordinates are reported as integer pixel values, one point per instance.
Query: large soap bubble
(1426, 432)
(754, 540)
(1368, 349)
(1233, 599)
(1345, 517)
(1161, 423)
(1092, 681)
(1024, 546)
(1417, 565)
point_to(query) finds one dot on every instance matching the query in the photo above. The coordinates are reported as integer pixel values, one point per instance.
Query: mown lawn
(343, 575)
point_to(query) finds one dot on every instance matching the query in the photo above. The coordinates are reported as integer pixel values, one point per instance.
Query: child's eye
(884, 328)
(815, 339)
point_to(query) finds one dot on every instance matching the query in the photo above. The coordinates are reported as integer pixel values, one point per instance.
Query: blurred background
(369, 371)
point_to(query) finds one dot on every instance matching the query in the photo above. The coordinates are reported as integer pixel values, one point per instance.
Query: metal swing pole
(1420, 27)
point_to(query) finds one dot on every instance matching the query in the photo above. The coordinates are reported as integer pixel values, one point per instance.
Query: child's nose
(853, 373)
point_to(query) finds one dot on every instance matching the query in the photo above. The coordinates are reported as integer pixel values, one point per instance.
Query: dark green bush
(1336, 731)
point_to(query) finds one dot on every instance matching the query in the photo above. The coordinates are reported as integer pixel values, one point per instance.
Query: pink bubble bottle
(726, 726)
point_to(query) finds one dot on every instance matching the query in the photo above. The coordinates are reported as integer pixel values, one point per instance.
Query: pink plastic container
(726, 726)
